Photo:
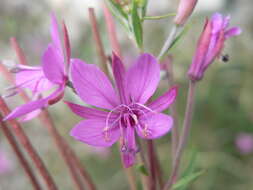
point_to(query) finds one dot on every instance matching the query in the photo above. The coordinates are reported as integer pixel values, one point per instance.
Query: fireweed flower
(51, 74)
(210, 44)
(125, 111)
(244, 143)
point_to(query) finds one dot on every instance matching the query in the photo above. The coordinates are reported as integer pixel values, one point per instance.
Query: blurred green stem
(184, 136)
(158, 17)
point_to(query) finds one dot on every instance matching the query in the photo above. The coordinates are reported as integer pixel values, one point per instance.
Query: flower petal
(154, 126)
(86, 112)
(143, 78)
(33, 79)
(55, 35)
(119, 75)
(92, 132)
(234, 31)
(129, 148)
(92, 85)
(165, 100)
(26, 108)
(53, 65)
(30, 115)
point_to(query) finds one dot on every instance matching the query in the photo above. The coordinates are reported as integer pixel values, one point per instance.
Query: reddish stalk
(111, 31)
(98, 41)
(18, 50)
(47, 121)
(152, 169)
(24, 140)
(185, 134)
(24, 163)
(158, 169)
(175, 131)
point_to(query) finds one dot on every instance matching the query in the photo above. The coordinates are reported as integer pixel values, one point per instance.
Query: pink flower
(123, 113)
(210, 44)
(184, 11)
(244, 143)
(51, 74)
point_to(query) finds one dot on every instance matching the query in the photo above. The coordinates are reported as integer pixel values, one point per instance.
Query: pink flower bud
(210, 44)
(184, 11)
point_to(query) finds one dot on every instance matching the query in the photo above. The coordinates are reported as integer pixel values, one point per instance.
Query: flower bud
(184, 11)
(210, 44)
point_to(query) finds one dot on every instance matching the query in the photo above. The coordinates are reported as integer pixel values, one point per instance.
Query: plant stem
(20, 134)
(111, 31)
(79, 166)
(152, 169)
(175, 131)
(159, 17)
(184, 136)
(24, 163)
(98, 41)
(47, 121)
(19, 52)
(169, 41)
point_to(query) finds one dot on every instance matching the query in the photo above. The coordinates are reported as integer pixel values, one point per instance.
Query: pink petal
(164, 101)
(30, 115)
(234, 31)
(143, 78)
(55, 35)
(86, 112)
(92, 132)
(33, 78)
(154, 126)
(92, 85)
(128, 155)
(119, 75)
(53, 65)
(26, 108)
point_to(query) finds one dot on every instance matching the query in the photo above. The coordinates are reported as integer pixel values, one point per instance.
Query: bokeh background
(222, 133)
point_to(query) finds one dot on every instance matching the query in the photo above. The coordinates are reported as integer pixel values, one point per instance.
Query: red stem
(98, 41)
(47, 121)
(152, 169)
(24, 140)
(24, 163)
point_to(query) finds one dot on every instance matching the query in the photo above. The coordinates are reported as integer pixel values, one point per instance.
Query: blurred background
(222, 133)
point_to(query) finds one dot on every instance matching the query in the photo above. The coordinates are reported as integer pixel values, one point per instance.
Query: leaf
(119, 13)
(136, 25)
(141, 168)
(185, 181)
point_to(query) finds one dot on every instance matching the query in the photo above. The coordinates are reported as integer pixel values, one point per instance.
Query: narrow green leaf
(118, 9)
(141, 168)
(144, 5)
(136, 25)
(119, 13)
(188, 179)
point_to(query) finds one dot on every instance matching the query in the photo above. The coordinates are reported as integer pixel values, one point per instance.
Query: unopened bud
(184, 11)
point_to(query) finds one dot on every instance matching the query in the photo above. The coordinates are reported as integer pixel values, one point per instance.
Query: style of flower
(211, 44)
(123, 113)
(51, 74)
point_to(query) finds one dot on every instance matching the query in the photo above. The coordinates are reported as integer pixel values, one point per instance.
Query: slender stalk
(152, 169)
(159, 17)
(47, 121)
(159, 172)
(184, 136)
(19, 52)
(175, 130)
(24, 140)
(169, 41)
(79, 167)
(98, 41)
(111, 31)
(24, 163)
